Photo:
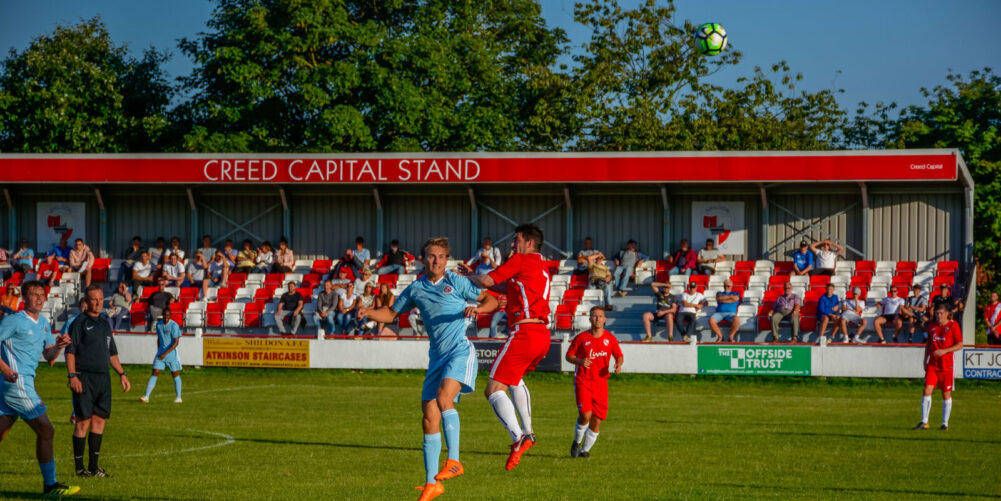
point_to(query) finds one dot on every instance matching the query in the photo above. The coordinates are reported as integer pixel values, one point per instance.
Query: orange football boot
(431, 491)
(452, 469)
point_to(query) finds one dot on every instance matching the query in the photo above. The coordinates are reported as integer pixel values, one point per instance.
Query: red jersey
(527, 281)
(47, 272)
(992, 314)
(941, 337)
(598, 349)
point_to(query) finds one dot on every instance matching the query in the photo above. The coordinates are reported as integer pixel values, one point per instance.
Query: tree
(399, 75)
(74, 91)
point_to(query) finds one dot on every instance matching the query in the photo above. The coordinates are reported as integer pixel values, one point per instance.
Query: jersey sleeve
(956, 333)
(467, 290)
(574, 346)
(508, 270)
(49, 338)
(175, 331)
(405, 301)
(616, 350)
(75, 332)
(7, 327)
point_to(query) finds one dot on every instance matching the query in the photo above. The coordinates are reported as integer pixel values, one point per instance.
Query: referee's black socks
(94, 440)
(78, 445)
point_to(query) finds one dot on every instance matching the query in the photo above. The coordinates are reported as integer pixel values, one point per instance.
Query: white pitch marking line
(227, 440)
(217, 390)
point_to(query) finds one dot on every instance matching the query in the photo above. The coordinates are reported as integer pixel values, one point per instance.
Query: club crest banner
(58, 219)
(722, 222)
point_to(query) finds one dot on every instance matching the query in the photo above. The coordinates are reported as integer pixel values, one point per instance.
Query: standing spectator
(394, 261)
(48, 271)
(366, 278)
(206, 249)
(890, 304)
(385, 299)
(245, 260)
(158, 301)
(142, 272)
(132, 255)
(156, 253)
(121, 303)
(684, 261)
(583, 254)
(851, 313)
(708, 258)
(913, 311)
(326, 308)
(24, 258)
(727, 302)
(264, 262)
(10, 301)
(284, 258)
(485, 259)
(218, 273)
(290, 304)
(826, 258)
(803, 259)
(174, 272)
(945, 297)
(600, 277)
(175, 249)
(787, 305)
(82, 260)
(625, 264)
(828, 311)
(62, 252)
(197, 270)
(346, 308)
(992, 317)
(667, 308)
(356, 258)
(691, 302)
(230, 253)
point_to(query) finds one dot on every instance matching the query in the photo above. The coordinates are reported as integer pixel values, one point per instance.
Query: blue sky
(885, 50)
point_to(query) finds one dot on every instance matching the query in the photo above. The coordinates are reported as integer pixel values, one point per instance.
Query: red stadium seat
(148, 291)
(663, 276)
(861, 281)
(573, 295)
(99, 272)
(274, 279)
(322, 266)
(740, 279)
(178, 308)
(903, 292)
(764, 322)
(404, 320)
(902, 280)
(907, 267)
(819, 281)
(236, 280)
(389, 278)
(483, 320)
(306, 293)
(137, 313)
(777, 281)
(213, 314)
(225, 294)
(771, 295)
(813, 294)
(252, 315)
(783, 267)
(949, 280)
(564, 316)
(865, 267)
(663, 265)
(739, 289)
(701, 280)
(947, 268)
(578, 282)
(190, 292)
(264, 294)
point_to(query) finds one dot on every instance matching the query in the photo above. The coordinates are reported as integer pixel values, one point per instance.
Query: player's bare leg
(714, 326)
(647, 320)
(878, 325)
(445, 403)
(44, 434)
(5, 424)
(734, 327)
(898, 324)
(823, 326)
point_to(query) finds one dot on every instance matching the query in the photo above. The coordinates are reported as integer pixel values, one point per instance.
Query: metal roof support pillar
(765, 243)
(286, 216)
(569, 245)
(195, 242)
(666, 252)
(866, 222)
(12, 242)
(102, 225)
(380, 229)
(474, 222)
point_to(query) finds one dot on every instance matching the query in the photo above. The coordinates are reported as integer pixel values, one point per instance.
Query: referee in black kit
(91, 350)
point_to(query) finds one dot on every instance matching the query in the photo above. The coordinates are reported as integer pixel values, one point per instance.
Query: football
(710, 39)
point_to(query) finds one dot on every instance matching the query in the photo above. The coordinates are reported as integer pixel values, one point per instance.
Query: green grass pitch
(248, 434)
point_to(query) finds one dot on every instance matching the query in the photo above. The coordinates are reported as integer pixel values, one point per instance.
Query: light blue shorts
(170, 362)
(460, 365)
(19, 399)
(720, 317)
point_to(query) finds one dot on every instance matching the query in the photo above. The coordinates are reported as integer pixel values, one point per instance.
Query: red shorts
(525, 348)
(592, 396)
(942, 379)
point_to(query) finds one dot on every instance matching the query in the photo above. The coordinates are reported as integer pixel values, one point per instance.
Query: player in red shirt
(944, 338)
(590, 351)
(525, 280)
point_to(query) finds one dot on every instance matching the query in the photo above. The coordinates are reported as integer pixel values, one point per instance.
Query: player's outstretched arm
(488, 303)
(384, 315)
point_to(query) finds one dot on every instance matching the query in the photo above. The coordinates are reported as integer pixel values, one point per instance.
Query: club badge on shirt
(448, 289)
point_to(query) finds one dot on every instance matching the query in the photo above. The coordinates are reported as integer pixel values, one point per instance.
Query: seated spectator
(196, 271)
(132, 255)
(158, 301)
(62, 251)
(342, 280)
(691, 302)
(218, 273)
(394, 261)
(828, 311)
(625, 265)
(174, 271)
(356, 258)
(708, 258)
(946, 298)
(23, 259)
(786, 306)
(264, 261)
(600, 277)
(802, 260)
(667, 308)
(914, 312)
(366, 277)
(289, 305)
(727, 302)
(684, 261)
(384, 299)
(48, 271)
(347, 306)
(851, 313)
(174, 249)
(366, 300)
(992, 317)
(246, 258)
(4, 265)
(485, 259)
(142, 272)
(583, 254)
(326, 308)
(230, 253)
(82, 260)
(826, 258)
(284, 258)
(121, 303)
(156, 253)
(11, 300)
(206, 249)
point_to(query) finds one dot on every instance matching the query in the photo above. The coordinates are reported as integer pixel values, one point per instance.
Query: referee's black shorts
(95, 397)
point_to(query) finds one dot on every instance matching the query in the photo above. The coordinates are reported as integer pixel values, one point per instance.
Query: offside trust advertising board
(755, 360)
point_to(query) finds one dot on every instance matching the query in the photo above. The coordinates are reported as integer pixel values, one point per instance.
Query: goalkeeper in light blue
(168, 336)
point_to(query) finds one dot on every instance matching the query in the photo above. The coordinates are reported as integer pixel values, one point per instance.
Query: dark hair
(92, 287)
(394, 242)
(917, 286)
(30, 284)
(595, 308)
(206, 236)
(631, 241)
(710, 241)
(175, 238)
(359, 240)
(267, 243)
(830, 284)
(137, 237)
(283, 240)
(588, 238)
(159, 239)
(247, 242)
(78, 240)
(531, 232)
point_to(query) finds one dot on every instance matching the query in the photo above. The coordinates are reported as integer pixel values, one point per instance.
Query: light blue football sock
(432, 451)
(150, 385)
(177, 386)
(48, 472)
(450, 422)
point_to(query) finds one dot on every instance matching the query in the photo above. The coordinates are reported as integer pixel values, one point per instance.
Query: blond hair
(437, 242)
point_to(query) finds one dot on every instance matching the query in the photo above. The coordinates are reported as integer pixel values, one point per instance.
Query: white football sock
(578, 432)
(523, 404)
(946, 410)
(925, 408)
(504, 410)
(589, 438)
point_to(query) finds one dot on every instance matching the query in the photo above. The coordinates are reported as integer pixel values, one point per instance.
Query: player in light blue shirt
(24, 338)
(168, 336)
(443, 298)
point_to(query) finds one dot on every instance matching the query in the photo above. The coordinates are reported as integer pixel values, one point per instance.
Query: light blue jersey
(441, 305)
(22, 341)
(165, 336)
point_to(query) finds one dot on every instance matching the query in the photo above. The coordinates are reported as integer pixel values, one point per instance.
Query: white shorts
(851, 317)
(83, 267)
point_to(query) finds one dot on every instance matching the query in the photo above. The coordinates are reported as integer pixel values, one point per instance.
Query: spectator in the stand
(366, 300)
(4, 265)
(384, 299)
(48, 270)
(82, 260)
(683, 261)
(121, 303)
(667, 309)
(889, 306)
(62, 251)
(992, 317)
(142, 271)
(364, 278)
(708, 257)
(156, 253)
(230, 253)
(289, 304)
(828, 311)
(245, 259)
(218, 273)
(802, 260)
(23, 259)
(11, 300)
(786, 306)
(826, 258)
(132, 256)
(174, 249)
(851, 313)
(727, 301)
(174, 272)
(347, 305)
(197, 270)
(158, 301)
(945, 297)
(691, 302)
(485, 259)
(914, 312)
(356, 258)
(395, 261)
(284, 258)
(583, 254)
(206, 249)
(264, 261)
(342, 280)
(600, 277)
(326, 308)
(625, 265)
